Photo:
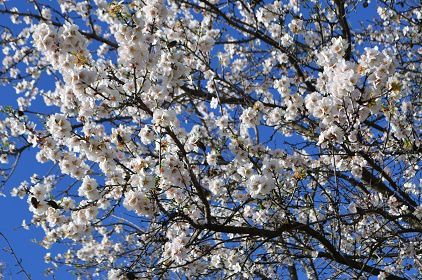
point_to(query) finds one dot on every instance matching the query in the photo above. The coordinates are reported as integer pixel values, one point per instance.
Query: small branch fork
(18, 260)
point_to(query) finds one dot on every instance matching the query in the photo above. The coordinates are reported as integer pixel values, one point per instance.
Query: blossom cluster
(207, 139)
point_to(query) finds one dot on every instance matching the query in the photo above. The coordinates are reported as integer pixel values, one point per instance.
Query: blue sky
(14, 210)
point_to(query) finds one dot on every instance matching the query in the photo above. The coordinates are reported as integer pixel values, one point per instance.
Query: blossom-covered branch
(219, 139)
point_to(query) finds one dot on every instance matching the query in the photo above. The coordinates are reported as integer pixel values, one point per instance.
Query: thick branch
(341, 13)
(294, 226)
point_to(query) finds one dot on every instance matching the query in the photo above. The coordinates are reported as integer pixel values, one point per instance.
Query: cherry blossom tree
(213, 139)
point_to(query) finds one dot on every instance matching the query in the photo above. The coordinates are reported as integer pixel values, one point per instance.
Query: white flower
(250, 117)
(259, 186)
(164, 118)
(3, 159)
(205, 43)
(138, 202)
(146, 135)
(39, 191)
(59, 126)
(89, 188)
(214, 103)
(143, 181)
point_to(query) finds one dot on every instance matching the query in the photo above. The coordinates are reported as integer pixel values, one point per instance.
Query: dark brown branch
(332, 254)
(89, 35)
(18, 261)
(341, 14)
